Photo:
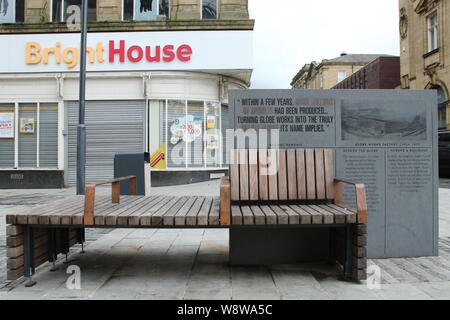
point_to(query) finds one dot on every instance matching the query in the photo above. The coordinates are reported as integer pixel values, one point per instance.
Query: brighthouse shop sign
(127, 51)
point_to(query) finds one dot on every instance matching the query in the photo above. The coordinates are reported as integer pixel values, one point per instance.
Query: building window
(405, 82)
(442, 107)
(209, 9)
(432, 22)
(191, 132)
(61, 9)
(12, 11)
(28, 135)
(442, 117)
(145, 9)
(342, 74)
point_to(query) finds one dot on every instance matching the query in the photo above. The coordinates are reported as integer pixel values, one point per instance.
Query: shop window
(61, 9)
(432, 22)
(342, 74)
(29, 135)
(209, 9)
(191, 132)
(7, 135)
(12, 11)
(145, 9)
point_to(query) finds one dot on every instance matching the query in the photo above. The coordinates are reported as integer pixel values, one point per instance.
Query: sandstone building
(425, 50)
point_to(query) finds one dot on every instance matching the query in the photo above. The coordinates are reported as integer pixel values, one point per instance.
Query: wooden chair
(290, 187)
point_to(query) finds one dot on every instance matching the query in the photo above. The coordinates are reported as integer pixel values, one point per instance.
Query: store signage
(35, 53)
(128, 51)
(7, 124)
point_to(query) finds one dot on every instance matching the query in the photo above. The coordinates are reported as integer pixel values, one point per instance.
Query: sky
(290, 33)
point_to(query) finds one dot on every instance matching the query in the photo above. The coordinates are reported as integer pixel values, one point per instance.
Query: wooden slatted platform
(131, 211)
(177, 211)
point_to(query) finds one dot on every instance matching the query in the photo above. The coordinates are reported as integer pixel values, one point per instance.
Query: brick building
(158, 75)
(329, 72)
(382, 73)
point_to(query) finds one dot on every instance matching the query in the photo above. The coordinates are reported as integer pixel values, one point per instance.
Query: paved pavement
(192, 264)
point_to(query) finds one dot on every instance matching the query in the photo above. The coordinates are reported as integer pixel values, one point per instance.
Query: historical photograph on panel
(381, 120)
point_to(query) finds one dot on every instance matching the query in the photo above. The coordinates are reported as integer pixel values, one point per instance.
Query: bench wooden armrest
(360, 190)
(225, 201)
(89, 195)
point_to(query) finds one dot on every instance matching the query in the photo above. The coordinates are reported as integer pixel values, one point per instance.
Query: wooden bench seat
(265, 187)
(291, 214)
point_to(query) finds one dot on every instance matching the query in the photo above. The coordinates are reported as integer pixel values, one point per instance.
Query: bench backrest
(281, 175)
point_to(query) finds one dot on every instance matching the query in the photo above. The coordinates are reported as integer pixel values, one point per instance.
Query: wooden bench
(296, 188)
(299, 190)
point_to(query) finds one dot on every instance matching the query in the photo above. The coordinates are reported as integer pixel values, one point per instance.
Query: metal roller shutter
(48, 135)
(111, 126)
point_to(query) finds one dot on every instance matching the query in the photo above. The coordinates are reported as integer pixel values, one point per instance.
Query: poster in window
(27, 125)
(211, 122)
(7, 125)
(186, 128)
(6, 11)
(212, 142)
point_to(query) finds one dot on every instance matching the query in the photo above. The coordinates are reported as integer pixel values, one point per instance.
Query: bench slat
(247, 215)
(202, 218)
(320, 174)
(292, 178)
(236, 215)
(243, 175)
(191, 217)
(305, 217)
(328, 217)
(272, 157)
(282, 217)
(271, 217)
(253, 173)
(214, 213)
(339, 217)
(260, 217)
(169, 215)
(301, 174)
(294, 218)
(310, 174)
(135, 218)
(350, 215)
(263, 179)
(282, 176)
(316, 217)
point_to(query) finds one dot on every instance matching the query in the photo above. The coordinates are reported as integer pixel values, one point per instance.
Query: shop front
(159, 92)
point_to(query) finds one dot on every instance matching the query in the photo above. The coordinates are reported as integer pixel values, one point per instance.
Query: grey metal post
(81, 129)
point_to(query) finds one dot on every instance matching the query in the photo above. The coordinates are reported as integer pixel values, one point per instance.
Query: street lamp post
(81, 128)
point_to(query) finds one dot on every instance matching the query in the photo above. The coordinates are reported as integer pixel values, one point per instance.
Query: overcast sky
(291, 33)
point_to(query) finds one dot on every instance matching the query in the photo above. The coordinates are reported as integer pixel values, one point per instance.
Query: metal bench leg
(28, 252)
(65, 243)
(81, 238)
(52, 254)
(348, 253)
